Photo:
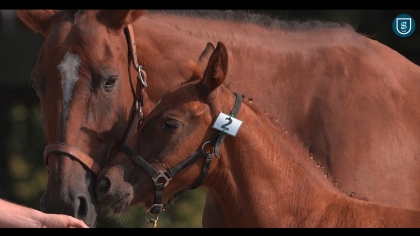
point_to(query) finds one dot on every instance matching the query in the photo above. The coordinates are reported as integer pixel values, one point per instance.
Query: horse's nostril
(104, 186)
(83, 207)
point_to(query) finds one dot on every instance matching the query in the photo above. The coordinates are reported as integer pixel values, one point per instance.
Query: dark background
(23, 177)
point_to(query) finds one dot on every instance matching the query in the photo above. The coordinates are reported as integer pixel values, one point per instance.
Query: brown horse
(262, 177)
(352, 101)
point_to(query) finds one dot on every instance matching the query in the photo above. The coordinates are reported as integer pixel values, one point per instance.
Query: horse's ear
(206, 53)
(37, 20)
(216, 70)
(117, 19)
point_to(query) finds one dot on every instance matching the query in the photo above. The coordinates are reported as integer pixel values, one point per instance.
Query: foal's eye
(111, 81)
(170, 125)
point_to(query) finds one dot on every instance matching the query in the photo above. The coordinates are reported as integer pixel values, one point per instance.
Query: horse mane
(260, 19)
(76, 12)
(250, 16)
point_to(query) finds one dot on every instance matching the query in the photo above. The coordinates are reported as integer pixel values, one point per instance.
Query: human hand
(60, 221)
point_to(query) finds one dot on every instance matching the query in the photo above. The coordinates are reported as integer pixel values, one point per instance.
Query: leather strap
(86, 160)
(139, 93)
(204, 171)
(218, 140)
(132, 45)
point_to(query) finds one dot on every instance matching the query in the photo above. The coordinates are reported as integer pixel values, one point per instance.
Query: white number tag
(229, 125)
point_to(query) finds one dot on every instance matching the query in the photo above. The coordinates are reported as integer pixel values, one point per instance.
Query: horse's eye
(171, 125)
(111, 81)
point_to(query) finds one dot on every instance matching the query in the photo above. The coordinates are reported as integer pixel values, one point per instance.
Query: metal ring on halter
(152, 221)
(162, 175)
(202, 149)
(141, 76)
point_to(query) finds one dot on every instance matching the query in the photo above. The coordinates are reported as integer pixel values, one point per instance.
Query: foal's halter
(79, 155)
(167, 175)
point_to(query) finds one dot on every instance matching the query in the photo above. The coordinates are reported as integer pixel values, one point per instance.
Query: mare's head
(86, 84)
(180, 124)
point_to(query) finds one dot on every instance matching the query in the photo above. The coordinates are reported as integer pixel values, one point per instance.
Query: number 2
(229, 122)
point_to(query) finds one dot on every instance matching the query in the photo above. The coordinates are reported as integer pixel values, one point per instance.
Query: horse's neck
(167, 42)
(265, 178)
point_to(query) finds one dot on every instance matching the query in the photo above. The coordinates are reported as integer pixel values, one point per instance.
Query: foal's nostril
(104, 186)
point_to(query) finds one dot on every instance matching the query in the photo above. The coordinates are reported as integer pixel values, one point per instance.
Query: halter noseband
(167, 175)
(79, 155)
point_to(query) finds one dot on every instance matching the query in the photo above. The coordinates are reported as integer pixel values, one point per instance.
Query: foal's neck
(265, 178)
(262, 174)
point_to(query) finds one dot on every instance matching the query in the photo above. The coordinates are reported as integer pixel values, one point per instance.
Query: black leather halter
(167, 175)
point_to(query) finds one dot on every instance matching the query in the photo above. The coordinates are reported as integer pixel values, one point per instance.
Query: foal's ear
(37, 20)
(117, 19)
(216, 70)
(206, 53)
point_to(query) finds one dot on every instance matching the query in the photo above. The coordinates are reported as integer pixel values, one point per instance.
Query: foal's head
(180, 124)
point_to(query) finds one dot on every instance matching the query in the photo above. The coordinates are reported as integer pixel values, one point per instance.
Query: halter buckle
(140, 77)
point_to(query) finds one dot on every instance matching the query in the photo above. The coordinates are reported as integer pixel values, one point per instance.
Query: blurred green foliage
(23, 177)
(186, 212)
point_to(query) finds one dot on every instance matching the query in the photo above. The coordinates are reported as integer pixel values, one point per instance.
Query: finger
(77, 224)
